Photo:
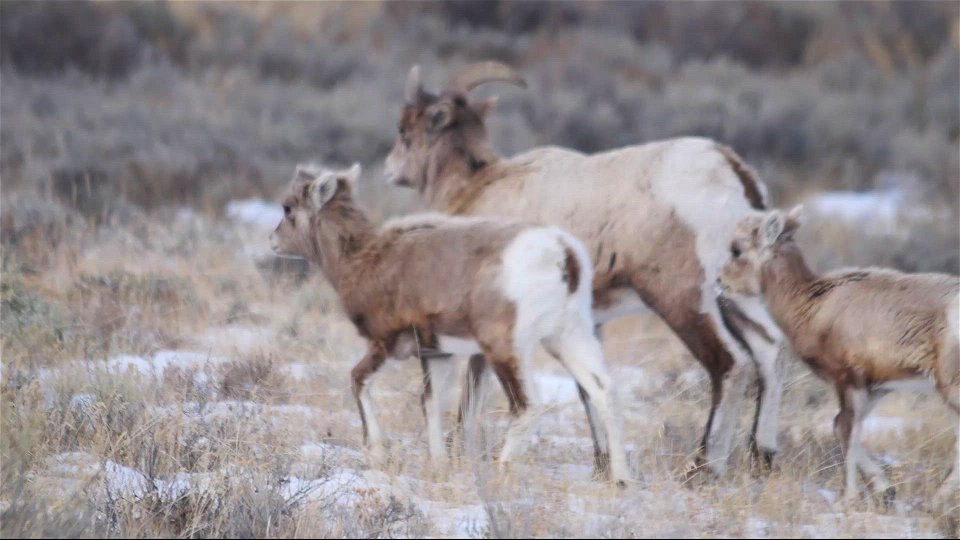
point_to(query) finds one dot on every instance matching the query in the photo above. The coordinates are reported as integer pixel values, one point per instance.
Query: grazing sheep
(434, 284)
(867, 331)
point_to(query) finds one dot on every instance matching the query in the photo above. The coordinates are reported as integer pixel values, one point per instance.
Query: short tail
(571, 270)
(753, 187)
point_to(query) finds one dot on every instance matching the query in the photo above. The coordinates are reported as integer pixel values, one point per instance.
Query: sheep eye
(401, 129)
(286, 210)
(735, 251)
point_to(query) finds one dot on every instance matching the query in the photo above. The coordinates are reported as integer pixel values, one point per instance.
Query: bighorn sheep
(433, 283)
(867, 331)
(654, 217)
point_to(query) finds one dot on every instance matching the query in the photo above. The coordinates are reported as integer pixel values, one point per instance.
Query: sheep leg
(601, 449)
(365, 368)
(843, 429)
(769, 359)
(471, 402)
(601, 454)
(432, 404)
(580, 352)
(951, 484)
(748, 318)
(507, 369)
(856, 404)
(870, 467)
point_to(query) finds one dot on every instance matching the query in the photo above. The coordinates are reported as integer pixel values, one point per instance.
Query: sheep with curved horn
(654, 217)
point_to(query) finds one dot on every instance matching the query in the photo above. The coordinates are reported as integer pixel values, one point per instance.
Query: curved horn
(482, 72)
(412, 88)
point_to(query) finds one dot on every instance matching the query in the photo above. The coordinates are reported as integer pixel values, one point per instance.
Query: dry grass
(235, 418)
(162, 377)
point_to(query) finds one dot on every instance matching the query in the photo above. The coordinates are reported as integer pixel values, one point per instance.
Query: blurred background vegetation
(133, 133)
(113, 109)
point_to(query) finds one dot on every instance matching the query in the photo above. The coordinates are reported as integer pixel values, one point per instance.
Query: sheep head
(434, 125)
(755, 240)
(311, 190)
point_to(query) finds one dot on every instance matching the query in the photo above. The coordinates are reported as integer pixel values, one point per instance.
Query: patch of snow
(556, 389)
(888, 425)
(123, 482)
(828, 495)
(255, 212)
(879, 209)
(237, 338)
(298, 370)
(325, 451)
(456, 521)
(756, 528)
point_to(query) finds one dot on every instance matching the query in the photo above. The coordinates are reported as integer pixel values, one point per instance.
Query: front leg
(364, 369)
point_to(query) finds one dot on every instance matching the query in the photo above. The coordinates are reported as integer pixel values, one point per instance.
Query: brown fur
(865, 326)
(396, 279)
(408, 282)
(571, 271)
(857, 328)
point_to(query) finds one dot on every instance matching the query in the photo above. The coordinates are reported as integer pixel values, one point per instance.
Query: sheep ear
(771, 228)
(439, 116)
(793, 221)
(413, 88)
(321, 190)
(304, 173)
(351, 175)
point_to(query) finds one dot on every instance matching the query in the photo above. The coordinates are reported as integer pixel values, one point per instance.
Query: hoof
(762, 458)
(762, 462)
(696, 470)
(889, 495)
(622, 484)
(766, 458)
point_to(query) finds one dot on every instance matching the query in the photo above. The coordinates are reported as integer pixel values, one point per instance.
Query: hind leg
(516, 386)
(472, 402)
(579, 351)
(947, 492)
(855, 405)
(372, 436)
(435, 375)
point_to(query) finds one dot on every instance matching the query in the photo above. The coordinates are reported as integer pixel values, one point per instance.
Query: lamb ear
(304, 173)
(771, 228)
(321, 190)
(352, 174)
(793, 221)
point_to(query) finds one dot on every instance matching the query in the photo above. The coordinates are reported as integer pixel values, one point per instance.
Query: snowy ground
(253, 410)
